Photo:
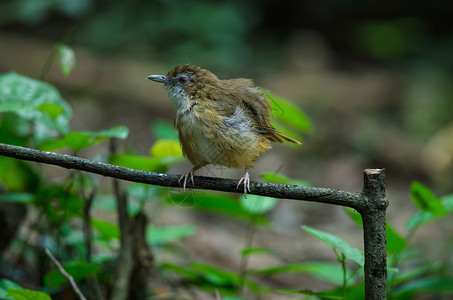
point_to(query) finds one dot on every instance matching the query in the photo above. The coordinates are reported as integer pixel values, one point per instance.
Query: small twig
(217, 295)
(66, 275)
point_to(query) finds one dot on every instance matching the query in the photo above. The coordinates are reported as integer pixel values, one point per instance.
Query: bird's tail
(278, 136)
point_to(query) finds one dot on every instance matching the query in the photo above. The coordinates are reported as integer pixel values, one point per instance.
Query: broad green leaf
(416, 272)
(258, 204)
(320, 295)
(209, 277)
(137, 162)
(52, 109)
(336, 242)
(158, 235)
(106, 229)
(180, 270)
(288, 112)
(77, 269)
(25, 294)
(331, 272)
(164, 148)
(164, 130)
(6, 284)
(17, 197)
(438, 284)
(277, 178)
(395, 242)
(32, 99)
(66, 58)
(16, 175)
(118, 132)
(422, 217)
(215, 275)
(79, 140)
(252, 251)
(425, 200)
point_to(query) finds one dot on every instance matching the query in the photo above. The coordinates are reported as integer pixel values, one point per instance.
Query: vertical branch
(373, 215)
(124, 261)
(143, 260)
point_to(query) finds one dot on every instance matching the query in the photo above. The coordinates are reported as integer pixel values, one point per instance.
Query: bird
(222, 122)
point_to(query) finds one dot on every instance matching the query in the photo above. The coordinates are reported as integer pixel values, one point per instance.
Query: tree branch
(66, 275)
(313, 194)
(370, 203)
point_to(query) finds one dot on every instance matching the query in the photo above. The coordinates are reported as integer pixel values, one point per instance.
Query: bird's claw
(186, 176)
(246, 181)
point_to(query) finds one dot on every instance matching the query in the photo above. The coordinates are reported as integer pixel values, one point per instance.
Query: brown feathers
(223, 122)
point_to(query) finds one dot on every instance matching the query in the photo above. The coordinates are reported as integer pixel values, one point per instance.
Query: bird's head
(183, 82)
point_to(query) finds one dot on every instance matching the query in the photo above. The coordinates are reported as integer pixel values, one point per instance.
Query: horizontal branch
(313, 194)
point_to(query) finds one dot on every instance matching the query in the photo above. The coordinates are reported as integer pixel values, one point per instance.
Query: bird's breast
(207, 137)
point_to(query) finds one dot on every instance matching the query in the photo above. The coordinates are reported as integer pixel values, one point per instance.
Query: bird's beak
(158, 78)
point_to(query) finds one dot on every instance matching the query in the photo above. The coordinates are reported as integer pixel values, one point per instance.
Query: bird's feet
(246, 181)
(186, 176)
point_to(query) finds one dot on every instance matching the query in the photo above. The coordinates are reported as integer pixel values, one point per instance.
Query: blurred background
(374, 78)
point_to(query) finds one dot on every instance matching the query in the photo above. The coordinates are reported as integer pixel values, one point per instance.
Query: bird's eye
(182, 80)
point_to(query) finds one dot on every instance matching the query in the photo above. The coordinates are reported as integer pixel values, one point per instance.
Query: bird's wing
(253, 103)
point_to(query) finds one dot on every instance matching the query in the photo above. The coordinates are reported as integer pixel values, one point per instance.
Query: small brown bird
(220, 122)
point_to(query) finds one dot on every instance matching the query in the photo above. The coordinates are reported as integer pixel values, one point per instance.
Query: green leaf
(164, 148)
(321, 295)
(52, 109)
(416, 272)
(277, 178)
(158, 235)
(425, 200)
(6, 284)
(395, 242)
(331, 272)
(16, 175)
(77, 269)
(288, 113)
(137, 162)
(250, 251)
(164, 130)
(337, 243)
(17, 197)
(216, 276)
(422, 217)
(24, 294)
(258, 204)
(107, 230)
(34, 100)
(438, 284)
(209, 277)
(118, 132)
(79, 140)
(66, 58)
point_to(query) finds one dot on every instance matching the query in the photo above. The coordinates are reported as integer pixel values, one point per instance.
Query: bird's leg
(186, 176)
(246, 181)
